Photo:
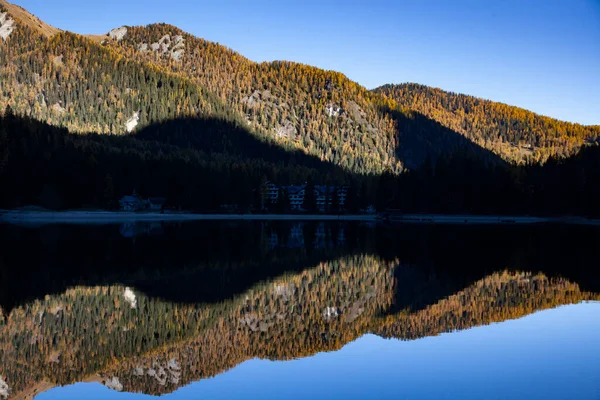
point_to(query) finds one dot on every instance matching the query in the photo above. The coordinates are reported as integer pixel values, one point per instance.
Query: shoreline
(115, 217)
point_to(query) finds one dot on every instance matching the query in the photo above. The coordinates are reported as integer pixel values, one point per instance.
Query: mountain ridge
(91, 83)
(22, 14)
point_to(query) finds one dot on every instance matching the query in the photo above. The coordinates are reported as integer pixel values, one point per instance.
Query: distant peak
(26, 18)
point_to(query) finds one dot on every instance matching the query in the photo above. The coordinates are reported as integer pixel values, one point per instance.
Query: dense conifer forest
(88, 119)
(312, 299)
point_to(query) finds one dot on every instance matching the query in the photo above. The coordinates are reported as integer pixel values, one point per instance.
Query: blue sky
(550, 355)
(543, 55)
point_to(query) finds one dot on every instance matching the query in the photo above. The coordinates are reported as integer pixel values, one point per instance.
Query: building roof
(129, 199)
(292, 189)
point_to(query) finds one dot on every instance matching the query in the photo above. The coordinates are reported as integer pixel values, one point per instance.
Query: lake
(299, 310)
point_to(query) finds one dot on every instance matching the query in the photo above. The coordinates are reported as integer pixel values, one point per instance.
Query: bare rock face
(114, 384)
(288, 130)
(58, 108)
(4, 390)
(58, 60)
(174, 46)
(54, 357)
(259, 97)
(118, 33)
(7, 25)
(166, 373)
(285, 291)
(357, 113)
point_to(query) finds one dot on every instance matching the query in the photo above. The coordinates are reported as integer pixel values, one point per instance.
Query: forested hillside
(135, 77)
(42, 164)
(302, 107)
(135, 343)
(512, 132)
(70, 81)
(193, 117)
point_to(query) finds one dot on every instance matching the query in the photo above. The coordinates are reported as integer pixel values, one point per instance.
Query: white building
(297, 194)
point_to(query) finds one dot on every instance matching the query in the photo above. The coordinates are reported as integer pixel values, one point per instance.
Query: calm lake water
(265, 310)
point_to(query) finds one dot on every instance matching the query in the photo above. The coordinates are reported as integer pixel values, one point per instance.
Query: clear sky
(543, 55)
(549, 355)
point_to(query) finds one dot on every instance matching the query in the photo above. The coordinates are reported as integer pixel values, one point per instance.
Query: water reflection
(134, 229)
(158, 313)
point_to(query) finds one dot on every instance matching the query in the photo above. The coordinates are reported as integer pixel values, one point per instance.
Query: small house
(136, 203)
(131, 203)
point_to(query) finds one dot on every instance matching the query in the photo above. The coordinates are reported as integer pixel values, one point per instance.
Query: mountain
(131, 342)
(91, 85)
(134, 77)
(153, 314)
(512, 132)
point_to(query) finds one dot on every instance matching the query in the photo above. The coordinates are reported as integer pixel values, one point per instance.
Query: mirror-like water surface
(299, 310)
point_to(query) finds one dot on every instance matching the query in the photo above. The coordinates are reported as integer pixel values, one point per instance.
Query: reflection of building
(320, 241)
(322, 235)
(297, 194)
(341, 236)
(272, 192)
(133, 229)
(273, 240)
(296, 238)
(131, 203)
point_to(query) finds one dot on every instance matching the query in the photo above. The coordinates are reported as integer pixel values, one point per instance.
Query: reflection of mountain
(191, 263)
(136, 343)
(156, 313)
(79, 333)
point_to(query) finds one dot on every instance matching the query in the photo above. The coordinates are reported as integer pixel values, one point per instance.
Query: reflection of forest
(146, 340)
(100, 331)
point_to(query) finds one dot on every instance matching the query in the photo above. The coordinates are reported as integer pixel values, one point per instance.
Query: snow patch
(114, 383)
(332, 110)
(4, 390)
(130, 297)
(330, 313)
(7, 25)
(118, 33)
(132, 122)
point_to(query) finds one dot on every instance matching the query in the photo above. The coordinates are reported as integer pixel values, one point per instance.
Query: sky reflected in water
(552, 354)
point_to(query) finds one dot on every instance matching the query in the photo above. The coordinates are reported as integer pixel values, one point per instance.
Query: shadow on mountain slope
(199, 263)
(190, 263)
(197, 164)
(421, 138)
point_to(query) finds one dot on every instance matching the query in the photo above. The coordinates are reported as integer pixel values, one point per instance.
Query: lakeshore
(27, 217)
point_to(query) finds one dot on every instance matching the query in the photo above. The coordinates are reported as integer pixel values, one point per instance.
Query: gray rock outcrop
(7, 25)
(118, 33)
